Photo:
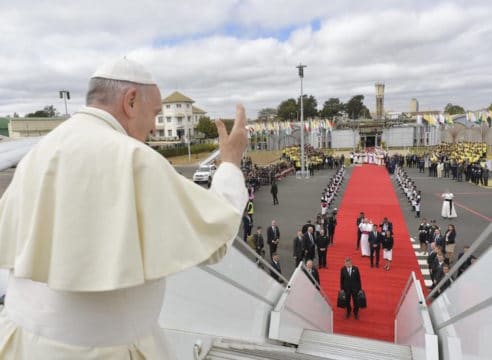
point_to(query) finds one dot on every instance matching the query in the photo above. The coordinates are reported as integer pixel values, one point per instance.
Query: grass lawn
(258, 157)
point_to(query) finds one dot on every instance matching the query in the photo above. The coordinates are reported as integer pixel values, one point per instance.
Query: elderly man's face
(148, 105)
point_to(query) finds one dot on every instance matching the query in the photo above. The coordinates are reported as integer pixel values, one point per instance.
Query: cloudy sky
(220, 52)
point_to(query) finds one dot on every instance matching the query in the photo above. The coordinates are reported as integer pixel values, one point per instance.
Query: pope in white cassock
(365, 228)
(94, 220)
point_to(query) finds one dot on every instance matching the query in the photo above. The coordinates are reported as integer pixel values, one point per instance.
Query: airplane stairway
(313, 345)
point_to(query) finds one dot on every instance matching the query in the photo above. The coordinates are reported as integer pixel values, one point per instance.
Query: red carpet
(370, 190)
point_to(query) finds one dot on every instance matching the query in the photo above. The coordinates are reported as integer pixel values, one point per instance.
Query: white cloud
(217, 55)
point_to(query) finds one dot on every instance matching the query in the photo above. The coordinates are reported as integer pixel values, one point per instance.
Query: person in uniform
(94, 220)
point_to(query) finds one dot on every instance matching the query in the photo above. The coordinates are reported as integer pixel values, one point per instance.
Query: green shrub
(183, 150)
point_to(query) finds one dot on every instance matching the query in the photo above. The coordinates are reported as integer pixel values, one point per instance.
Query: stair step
(342, 347)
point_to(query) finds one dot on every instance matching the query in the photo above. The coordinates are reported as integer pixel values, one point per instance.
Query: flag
(429, 119)
(441, 118)
(449, 119)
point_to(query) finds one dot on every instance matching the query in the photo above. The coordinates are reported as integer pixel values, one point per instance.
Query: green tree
(490, 107)
(310, 106)
(288, 109)
(355, 108)
(48, 111)
(207, 127)
(267, 114)
(332, 107)
(453, 109)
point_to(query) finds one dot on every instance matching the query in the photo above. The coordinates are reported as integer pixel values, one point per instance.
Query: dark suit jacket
(350, 283)
(390, 226)
(314, 274)
(308, 245)
(375, 240)
(274, 189)
(271, 235)
(322, 241)
(276, 267)
(298, 248)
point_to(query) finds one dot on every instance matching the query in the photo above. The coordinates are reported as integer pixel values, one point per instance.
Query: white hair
(107, 91)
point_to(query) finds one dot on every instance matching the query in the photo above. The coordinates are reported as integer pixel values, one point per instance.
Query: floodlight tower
(379, 101)
(65, 95)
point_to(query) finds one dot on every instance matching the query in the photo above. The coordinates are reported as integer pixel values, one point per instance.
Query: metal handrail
(240, 241)
(484, 236)
(411, 280)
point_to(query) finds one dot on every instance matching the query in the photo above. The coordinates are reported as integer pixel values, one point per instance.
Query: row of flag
(287, 127)
(477, 117)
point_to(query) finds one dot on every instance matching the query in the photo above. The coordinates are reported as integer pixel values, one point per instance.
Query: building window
(188, 106)
(170, 133)
(168, 106)
(161, 133)
(189, 118)
(178, 105)
(168, 118)
(180, 119)
(160, 120)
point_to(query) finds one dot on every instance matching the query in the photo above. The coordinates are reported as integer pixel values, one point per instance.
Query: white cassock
(91, 224)
(365, 247)
(448, 209)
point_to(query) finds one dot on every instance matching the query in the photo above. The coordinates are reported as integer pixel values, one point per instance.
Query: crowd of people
(257, 175)
(457, 161)
(315, 159)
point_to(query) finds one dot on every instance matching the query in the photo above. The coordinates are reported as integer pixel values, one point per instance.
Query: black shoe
(377, 265)
(356, 316)
(372, 265)
(347, 315)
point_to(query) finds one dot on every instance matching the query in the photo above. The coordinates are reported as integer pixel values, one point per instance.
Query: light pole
(301, 76)
(65, 95)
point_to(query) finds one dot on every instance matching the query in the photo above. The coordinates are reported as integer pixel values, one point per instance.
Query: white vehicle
(204, 173)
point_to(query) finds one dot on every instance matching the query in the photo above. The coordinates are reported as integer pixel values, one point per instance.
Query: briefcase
(361, 299)
(342, 299)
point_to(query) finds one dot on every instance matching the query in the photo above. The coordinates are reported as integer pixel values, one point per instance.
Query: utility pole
(303, 165)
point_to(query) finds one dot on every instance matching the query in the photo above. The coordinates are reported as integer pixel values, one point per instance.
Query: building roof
(197, 110)
(177, 97)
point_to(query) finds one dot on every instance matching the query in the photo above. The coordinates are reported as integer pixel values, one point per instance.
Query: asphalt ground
(300, 200)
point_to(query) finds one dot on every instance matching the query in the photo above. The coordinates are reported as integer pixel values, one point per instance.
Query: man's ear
(129, 100)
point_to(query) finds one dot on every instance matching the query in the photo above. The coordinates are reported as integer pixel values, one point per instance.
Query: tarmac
(299, 201)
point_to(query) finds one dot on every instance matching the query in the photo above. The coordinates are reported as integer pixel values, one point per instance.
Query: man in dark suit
(309, 244)
(375, 244)
(306, 226)
(258, 241)
(273, 237)
(332, 224)
(276, 265)
(322, 244)
(359, 220)
(274, 192)
(298, 247)
(386, 225)
(350, 283)
(247, 226)
(311, 270)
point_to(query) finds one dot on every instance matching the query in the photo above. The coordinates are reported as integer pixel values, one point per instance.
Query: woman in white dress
(365, 228)
(448, 209)
(387, 249)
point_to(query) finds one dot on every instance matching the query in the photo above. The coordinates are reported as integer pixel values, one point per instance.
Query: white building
(178, 119)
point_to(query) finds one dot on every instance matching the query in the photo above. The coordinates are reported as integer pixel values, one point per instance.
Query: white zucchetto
(124, 70)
